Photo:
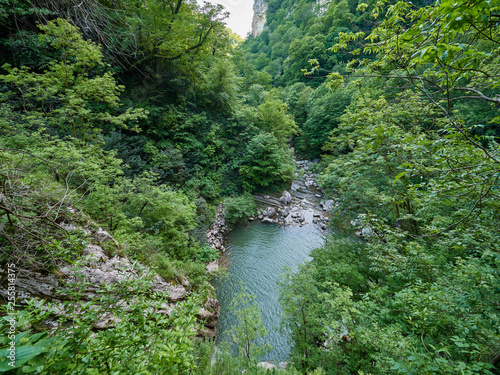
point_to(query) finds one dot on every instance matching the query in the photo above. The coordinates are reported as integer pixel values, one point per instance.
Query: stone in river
(267, 220)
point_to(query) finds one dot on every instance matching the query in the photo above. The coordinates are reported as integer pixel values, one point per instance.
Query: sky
(240, 17)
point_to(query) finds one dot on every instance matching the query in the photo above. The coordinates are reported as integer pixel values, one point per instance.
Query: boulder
(328, 205)
(212, 267)
(102, 236)
(212, 304)
(176, 293)
(267, 220)
(286, 198)
(269, 212)
(209, 318)
(284, 211)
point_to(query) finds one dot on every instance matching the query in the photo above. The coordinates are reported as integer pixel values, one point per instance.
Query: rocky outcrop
(267, 220)
(321, 6)
(259, 17)
(217, 233)
(102, 236)
(216, 236)
(94, 272)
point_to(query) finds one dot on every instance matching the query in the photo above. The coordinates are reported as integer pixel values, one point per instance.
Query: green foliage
(239, 208)
(249, 332)
(416, 176)
(265, 162)
(273, 118)
(151, 341)
(64, 97)
(324, 109)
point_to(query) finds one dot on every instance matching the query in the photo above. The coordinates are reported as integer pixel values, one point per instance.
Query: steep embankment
(91, 274)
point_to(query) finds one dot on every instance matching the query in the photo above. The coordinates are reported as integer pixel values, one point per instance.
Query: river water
(256, 255)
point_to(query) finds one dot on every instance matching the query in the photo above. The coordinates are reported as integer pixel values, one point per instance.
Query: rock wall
(216, 236)
(321, 6)
(259, 17)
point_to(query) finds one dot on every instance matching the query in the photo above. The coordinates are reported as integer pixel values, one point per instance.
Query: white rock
(212, 267)
(266, 365)
(176, 293)
(286, 198)
(103, 236)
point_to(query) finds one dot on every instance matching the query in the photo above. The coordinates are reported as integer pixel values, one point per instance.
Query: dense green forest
(141, 117)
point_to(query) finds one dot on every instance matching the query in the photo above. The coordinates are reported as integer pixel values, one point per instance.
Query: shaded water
(257, 254)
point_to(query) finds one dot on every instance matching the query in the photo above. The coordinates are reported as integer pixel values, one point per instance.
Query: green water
(256, 254)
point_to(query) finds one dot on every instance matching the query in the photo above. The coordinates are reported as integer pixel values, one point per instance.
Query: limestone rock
(284, 211)
(286, 198)
(267, 220)
(176, 293)
(33, 284)
(328, 205)
(94, 254)
(102, 236)
(107, 321)
(212, 267)
(269, 212)
(209, 318)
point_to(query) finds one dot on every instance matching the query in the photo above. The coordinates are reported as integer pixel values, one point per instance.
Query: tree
(66, 96)
(275, 119)
(249, 332)
(448, 52)
(265, 162)
(173, 29)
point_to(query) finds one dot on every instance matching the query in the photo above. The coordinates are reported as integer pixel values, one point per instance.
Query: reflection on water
(256, 254)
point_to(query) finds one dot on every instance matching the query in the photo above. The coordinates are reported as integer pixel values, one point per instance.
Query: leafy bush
(239, 208)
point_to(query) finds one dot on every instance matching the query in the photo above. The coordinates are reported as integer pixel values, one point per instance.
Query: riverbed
(256, 254)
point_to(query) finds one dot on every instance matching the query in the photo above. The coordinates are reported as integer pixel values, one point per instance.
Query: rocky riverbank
(216, 236)
(301, 205)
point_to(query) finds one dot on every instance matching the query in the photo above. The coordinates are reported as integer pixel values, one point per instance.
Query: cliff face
(321, 7)
(259, 17)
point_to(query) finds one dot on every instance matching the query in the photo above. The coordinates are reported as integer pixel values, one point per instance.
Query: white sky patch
(240, 14)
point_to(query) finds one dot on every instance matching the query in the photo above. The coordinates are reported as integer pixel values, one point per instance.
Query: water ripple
(257, 254)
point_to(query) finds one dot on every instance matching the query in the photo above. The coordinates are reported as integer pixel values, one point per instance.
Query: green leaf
(399, 176)
(23, 355)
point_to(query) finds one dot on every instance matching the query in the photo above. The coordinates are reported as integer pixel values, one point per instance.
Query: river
(257, 254)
